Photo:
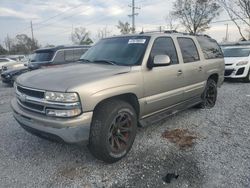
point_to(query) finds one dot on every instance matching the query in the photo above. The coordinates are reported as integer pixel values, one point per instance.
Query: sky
(53, 21)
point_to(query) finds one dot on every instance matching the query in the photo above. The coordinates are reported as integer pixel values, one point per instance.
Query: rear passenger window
(188, 49)
(165, 46)
(210, 48)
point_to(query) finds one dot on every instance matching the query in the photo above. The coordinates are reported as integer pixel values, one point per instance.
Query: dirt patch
(69, 173)
(182, 137)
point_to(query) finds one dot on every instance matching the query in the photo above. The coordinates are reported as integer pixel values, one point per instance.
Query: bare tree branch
(196, 15)
(239, 12)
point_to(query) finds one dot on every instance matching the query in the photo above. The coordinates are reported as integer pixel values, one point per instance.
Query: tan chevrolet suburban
(118, 83)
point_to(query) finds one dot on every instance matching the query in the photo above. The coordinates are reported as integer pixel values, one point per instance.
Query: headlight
(61, 97)
(63, 113)
(242, 63)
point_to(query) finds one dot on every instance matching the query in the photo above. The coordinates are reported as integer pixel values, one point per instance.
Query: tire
(113, 130)
(209, 95)
(247, 78)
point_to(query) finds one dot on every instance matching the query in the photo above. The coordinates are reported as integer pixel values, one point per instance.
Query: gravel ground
(220, 156)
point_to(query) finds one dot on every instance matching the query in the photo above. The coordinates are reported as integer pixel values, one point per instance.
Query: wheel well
(214, 77)
(128, 97)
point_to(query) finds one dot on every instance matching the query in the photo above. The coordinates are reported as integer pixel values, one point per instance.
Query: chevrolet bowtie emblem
(22, 97)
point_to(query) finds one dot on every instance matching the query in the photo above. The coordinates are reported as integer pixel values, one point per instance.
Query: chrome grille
(34, 100)
(31, 92)
(30, 99)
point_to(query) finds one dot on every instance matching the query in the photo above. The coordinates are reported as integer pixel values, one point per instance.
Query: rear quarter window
(210, 48)
(78, 53)
(69, 55)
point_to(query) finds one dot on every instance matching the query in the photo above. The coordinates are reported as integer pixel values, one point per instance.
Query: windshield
(236, 52)
(119, 50)
(42, 56)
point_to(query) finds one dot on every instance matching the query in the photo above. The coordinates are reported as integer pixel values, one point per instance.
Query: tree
(124, 27)
(3, 51)
(171, 22)
(23, 44)
(239, 13)
(196, 15)
(8, 42)
(80, 36)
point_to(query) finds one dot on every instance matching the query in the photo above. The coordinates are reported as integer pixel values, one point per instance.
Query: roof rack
(175, 32)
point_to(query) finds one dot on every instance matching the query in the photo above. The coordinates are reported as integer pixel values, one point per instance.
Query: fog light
(63, 113)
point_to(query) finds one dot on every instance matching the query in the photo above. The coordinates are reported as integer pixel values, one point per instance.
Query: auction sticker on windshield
(136, 41)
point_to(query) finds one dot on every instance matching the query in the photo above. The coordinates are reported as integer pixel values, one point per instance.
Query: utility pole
(226, 38)
(133, 15)
(32, 34)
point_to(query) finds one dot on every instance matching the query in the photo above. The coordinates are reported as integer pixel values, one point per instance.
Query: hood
(233, 60)
(61, 78)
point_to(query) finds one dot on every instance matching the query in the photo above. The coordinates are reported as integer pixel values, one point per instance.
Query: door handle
(179, 72)
(200, 69)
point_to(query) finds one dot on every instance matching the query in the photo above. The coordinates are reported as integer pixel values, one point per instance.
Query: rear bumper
(70, 130)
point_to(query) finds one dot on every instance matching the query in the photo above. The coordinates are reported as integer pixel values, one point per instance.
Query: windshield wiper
(106, 61)
(85, 60)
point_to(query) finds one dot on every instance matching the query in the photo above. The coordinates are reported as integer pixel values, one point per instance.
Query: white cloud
(6, 12)
(115, 10)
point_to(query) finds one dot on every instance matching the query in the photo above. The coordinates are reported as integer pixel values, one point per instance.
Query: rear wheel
(209, 95)
(113, 130)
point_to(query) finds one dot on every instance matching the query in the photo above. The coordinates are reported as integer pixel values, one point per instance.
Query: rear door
(193, 68)
(163, 85)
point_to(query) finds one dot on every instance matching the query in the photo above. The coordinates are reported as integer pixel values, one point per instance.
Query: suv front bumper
(70, 130)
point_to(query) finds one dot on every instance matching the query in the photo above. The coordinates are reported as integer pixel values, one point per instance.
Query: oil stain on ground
(182, 137)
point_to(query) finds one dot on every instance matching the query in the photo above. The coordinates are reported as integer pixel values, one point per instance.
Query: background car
(19, 63)
(5, 61)
(237, 61)
(45, 57)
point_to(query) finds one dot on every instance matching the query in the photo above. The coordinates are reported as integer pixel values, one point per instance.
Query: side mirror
(162, 60)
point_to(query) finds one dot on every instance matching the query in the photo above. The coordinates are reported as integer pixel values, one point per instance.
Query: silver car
(117, 84)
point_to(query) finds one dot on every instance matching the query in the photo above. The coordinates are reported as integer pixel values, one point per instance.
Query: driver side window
(164, 46)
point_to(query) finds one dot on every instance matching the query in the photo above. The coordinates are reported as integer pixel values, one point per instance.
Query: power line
(52, 17)
(66, 11)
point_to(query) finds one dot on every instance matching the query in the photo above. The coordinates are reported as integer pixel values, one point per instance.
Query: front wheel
(113, 130)
(209, 95)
